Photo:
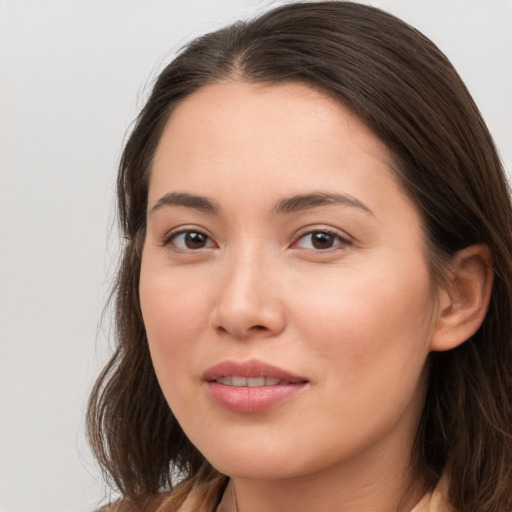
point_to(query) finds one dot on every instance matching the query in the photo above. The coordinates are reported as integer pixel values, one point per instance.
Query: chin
(251, 461)
(264, 462)
(267, 469)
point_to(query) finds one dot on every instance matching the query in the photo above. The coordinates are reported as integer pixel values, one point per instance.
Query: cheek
(175, 313)
(369, 338)
(374, 325)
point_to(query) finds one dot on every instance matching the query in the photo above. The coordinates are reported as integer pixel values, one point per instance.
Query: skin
(356, 319)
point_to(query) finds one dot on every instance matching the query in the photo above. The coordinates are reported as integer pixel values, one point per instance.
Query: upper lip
(249, 369)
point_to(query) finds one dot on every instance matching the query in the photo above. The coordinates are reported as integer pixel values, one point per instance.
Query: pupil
(195, 240)
(322, 241)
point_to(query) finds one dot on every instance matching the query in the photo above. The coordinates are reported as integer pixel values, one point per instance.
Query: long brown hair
(401, 85)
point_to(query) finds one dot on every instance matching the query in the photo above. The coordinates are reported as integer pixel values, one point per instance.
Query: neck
(302, 496)
(368, 486)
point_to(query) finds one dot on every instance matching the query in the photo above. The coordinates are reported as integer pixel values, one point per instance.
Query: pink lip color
(251, 399)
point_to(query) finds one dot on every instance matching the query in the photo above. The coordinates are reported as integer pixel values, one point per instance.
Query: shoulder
(149, 504)
(437, 500)
(201, 493)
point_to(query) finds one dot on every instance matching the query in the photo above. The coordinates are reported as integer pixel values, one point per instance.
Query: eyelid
(169, 236)
(344, 238)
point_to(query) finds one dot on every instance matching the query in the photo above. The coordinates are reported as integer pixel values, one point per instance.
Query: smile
(252, 382)
(251, 386)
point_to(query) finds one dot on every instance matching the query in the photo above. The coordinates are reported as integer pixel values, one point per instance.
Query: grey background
(73, 75)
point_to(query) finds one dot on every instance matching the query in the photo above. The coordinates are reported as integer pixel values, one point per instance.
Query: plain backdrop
(73, 75)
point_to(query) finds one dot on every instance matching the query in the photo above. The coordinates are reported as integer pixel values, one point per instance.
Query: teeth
(238, 382)
(256, 381)
(251, 382)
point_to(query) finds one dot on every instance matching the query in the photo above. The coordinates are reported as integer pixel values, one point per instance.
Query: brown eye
(191, 240)
(320, 240)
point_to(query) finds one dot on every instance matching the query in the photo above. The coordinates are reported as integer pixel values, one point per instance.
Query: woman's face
(284, 288)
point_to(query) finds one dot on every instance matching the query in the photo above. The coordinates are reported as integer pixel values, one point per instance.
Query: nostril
(244, 319)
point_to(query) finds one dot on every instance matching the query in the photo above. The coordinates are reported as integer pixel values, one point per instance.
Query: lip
(249, 369)
(247, 399)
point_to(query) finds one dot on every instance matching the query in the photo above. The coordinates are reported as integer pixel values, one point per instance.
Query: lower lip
(252, 399)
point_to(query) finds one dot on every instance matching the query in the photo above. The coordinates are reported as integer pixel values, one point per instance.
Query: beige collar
(436, 501)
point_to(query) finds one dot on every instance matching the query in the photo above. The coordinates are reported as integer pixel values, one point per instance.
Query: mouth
(252, 382)
(251, 387)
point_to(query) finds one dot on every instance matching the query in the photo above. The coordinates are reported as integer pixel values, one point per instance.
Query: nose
(249, 302)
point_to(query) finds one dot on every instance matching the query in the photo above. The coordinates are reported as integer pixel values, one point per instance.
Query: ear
(464, 299)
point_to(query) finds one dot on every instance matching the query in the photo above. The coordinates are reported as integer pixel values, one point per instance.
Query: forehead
(261, 129)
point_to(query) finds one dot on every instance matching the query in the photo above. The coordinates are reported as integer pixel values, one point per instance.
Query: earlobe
(464, 298)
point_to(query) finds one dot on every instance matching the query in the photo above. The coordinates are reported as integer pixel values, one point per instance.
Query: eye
(320, 240)
(190, 240)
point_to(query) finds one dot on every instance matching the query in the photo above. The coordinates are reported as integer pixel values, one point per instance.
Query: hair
(404, 88)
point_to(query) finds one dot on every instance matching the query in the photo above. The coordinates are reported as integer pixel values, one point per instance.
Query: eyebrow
(307, 201)
(292, 204)
(200, 203)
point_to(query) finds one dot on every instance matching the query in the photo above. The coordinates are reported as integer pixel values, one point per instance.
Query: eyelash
(307, 232)
(171, 238)
(342, 241)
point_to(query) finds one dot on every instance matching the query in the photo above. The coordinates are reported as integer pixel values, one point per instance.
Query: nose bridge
(247, 301)
(245, 263)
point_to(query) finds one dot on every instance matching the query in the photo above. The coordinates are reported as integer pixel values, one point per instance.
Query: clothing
(190, 496)
(436, 501)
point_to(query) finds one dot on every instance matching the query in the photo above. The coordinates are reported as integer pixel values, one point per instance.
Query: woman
(313, 308)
